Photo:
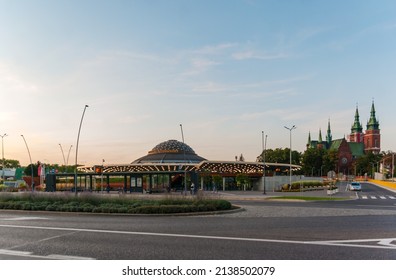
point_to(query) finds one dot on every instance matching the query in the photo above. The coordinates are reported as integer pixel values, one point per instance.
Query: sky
(225, 69)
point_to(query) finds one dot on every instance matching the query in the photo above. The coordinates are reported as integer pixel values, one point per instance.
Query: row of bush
(307, 185)
(96, 204)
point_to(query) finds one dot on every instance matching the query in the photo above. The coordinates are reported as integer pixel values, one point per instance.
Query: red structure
(357, 144)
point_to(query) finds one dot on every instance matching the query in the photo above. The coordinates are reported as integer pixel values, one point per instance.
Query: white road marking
(66, 257)
(24, 218)
(391, 197)
(16, 253)
(364, 197)
(343, 243)
(31, 255)
(373, 197)
(382, 197)
(387, 242)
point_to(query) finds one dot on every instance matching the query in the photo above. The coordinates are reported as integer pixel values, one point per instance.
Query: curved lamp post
(63, 154)
(290, 168)
(31, 164)
(264, 144)
(68, 154)
(185, 171)
(78, 138)
(2, 152)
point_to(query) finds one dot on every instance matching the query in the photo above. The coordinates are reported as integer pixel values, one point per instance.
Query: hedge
(98, 204)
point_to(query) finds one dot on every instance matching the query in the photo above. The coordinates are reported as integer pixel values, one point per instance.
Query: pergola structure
(167, 165)
(218, 167)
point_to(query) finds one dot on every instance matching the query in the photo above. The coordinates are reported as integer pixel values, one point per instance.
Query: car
(354, 186)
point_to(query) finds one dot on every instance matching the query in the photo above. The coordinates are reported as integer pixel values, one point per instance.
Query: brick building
(357, 143)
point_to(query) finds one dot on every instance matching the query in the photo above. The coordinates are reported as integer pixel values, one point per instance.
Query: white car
(354, 186)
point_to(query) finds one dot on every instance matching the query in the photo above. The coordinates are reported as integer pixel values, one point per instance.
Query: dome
(172, 146)
(171, 151)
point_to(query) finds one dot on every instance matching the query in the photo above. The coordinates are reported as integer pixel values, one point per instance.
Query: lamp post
(68, 154)
(101, 177)
(264, 145)
(290, 169)
(31, 164)
(184, 154)
(64, 160)
(78, 138)
(393, 166)
(2, 152)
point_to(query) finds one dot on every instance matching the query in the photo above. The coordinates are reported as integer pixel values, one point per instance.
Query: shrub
(100, 204)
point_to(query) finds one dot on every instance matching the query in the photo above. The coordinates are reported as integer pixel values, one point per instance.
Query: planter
(331, 192)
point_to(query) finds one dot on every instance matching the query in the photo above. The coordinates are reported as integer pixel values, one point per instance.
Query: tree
(28, 170)
(280, 156)
(11, 163)
(330, 159)
(367, 163)
(243, 180)
(310, 160)
(318, 161)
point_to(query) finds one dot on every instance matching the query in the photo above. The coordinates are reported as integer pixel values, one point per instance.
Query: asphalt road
(363, 228)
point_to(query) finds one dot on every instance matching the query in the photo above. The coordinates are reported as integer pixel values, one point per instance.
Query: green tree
(280, 156)
(28, 170)
(367, 164)
(317, 162)
(311, 159)
(217, 181)
(330, 159)
(243, 181)
(11, 163)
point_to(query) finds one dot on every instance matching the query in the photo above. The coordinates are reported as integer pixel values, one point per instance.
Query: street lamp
(68, 154)
(63, 154)
(101, 177)
(184, 155)
(393, 166)
(290, 170)
(78, 138)
(264, 145)
(2, 151)
(31, 164)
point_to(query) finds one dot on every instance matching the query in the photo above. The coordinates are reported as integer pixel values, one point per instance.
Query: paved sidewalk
(342, 192)
(258, 195)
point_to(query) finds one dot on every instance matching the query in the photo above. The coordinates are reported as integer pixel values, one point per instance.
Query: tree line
(314, 162)
(318, 162)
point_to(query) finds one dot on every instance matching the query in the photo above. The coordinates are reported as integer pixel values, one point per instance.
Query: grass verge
(307, 198)
(99, 204)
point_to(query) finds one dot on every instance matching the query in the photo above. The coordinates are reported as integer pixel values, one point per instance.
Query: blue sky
(226, 70)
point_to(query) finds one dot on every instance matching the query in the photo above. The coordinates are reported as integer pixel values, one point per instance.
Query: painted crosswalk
(377, 197)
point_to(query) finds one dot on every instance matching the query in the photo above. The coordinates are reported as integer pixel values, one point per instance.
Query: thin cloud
(253, 55)
(213, 49)
(211, 87)
(12, 82)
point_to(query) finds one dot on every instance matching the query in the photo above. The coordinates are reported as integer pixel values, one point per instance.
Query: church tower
(372, 137)
(356, 130)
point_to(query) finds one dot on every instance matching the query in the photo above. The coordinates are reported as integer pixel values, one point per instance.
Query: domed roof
(172, 146)
(171, 151)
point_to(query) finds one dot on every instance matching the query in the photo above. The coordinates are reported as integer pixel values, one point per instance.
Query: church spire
(320, 136)
(357, 126)
(373, 123)
(329, 137)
